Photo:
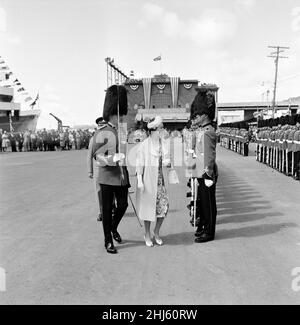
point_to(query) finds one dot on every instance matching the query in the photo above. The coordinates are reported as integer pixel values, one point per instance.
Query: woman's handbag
(173, 177)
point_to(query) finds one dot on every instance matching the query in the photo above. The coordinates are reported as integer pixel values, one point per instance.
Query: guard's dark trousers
(110, 222)
(207, 208)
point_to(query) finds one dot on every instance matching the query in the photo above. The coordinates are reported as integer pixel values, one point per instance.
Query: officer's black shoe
(100, 218)
(110, 248)
(117, 237)
(204, 239)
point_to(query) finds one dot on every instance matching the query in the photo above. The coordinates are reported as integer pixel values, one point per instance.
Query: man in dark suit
(202, 164)
(113, 175)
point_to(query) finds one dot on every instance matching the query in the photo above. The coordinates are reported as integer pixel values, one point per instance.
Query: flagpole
(160, 64)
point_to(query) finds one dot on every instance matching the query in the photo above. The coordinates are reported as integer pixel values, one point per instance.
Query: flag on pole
(157, 58)
(8, 75)
(35, 101)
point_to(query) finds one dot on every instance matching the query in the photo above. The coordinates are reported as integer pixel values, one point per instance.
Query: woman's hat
(155, 123)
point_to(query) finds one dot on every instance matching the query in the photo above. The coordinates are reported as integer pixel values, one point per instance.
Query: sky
(57, 48)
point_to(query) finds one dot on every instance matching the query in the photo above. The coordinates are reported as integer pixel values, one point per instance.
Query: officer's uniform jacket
(296, 142)
(277, 138)
(280, 138)
(272, 138)
(290, 139)
(103, 146)
(203, 161)
(286, 137)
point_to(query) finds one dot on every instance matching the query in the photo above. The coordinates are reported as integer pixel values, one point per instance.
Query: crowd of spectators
(44, 140)
(53, 140)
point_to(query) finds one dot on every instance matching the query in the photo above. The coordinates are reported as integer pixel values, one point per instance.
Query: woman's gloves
(167, 163)
(118, 157)
(140, 183)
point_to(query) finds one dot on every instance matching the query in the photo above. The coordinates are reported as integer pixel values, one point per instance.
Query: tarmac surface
(51, 246)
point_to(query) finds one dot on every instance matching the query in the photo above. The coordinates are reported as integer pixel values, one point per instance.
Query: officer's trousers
(206, 208)
(110, 222)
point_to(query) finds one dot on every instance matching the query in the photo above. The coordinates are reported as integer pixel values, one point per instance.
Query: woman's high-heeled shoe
(148, 243)
(158, 241)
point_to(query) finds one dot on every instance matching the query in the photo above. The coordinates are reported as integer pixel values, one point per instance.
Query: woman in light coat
(152, 198)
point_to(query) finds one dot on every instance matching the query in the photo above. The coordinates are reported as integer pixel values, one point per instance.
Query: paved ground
(52, 247)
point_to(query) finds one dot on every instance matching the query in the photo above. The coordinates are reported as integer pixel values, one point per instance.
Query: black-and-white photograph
(150, 154)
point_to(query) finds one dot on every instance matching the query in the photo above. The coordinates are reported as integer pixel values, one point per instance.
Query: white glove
(118, 157)
(208, 183)
(100, 160)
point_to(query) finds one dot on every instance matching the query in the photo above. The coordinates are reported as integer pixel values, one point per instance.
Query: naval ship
(17, 113)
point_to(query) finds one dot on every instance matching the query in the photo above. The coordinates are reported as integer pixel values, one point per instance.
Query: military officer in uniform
(290, 142)
(202, 164)
(93, 168)
(113, 175)
(296, 150)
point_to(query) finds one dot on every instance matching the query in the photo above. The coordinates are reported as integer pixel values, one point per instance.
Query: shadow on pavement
(242, 218)
(238, 202)
(254, 231)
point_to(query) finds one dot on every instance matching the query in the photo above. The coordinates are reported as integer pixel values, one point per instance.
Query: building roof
(160, 79)
(252, 106)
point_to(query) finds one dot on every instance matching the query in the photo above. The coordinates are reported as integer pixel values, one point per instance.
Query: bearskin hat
(113, 95)
(204, 103)
(292, 120)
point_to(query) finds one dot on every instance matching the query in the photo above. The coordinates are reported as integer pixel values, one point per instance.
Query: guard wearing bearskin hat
(296, 150)
(113, 175)
(202, 168)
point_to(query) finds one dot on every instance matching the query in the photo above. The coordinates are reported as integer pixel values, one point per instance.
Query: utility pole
(276, 55)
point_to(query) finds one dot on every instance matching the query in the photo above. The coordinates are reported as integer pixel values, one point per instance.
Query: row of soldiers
(278, 144)
(235, 137)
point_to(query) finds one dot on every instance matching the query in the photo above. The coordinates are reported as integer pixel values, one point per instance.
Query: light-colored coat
(147, 165)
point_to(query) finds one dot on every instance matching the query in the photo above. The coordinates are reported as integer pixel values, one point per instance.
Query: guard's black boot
(99, 218)
(199, 233)
(204, 238)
